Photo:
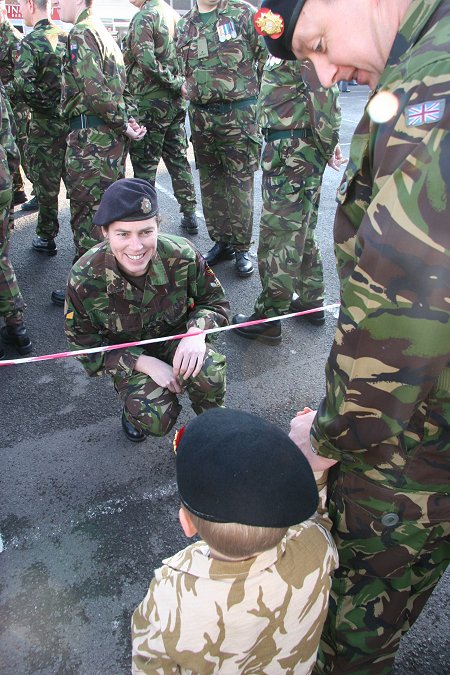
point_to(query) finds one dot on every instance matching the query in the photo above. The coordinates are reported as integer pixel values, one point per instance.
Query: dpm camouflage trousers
(226, 148)
(153, 409)
(46, 151)
(289, 259)
(393, 548)
(166, 138)
(11, 301)
(95, 159)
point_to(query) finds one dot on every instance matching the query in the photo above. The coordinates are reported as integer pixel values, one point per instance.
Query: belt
(275, 135)
(219, 108)
(86, 122)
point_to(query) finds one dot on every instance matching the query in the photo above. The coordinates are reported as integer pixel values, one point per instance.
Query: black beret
(289, 11)
(234, 467)
(127, 199)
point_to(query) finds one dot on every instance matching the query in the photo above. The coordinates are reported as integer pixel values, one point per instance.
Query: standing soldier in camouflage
(10, 39)
(385, 418)
(300, 122)
(92, 102)
(138, 285)
(154, 82)
(223, 58)
(38, 83)
(11, 301)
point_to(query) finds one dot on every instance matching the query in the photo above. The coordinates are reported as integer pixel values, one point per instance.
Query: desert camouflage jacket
(150, 56)
(38, 68)
(387, 406)
(103, 308)
(261, 615)
(93, 73)
(223, 59)
(291, 97)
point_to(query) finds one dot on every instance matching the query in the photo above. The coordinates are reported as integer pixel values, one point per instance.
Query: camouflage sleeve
(393, 334)
(86, 68)
(209, 308)
(324, 111)
(81, 333)
(148, 650)
(258, 47)
(147, 51)
(7, 142)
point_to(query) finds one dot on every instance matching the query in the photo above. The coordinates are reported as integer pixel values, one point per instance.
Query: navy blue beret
(289, 10)
(127, 199)
(234, 467)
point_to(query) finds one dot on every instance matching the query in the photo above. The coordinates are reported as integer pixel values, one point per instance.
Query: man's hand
(190, 354)
(162, 373)
(300, 433)
(134, 131)
(337, 160)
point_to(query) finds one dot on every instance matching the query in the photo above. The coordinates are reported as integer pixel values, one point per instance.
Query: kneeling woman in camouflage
(138, 285)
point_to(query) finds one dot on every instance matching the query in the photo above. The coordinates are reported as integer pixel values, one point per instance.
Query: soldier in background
(300, 122)
(93, 104)
(11, 301)
(38, 83)
(223, 57)
(385, 418)
(10, 39)
(154, 83)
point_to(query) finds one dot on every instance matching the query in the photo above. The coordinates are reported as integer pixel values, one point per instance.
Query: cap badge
(146, 205)
(268, 23)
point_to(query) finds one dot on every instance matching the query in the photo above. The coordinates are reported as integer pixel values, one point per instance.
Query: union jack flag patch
(424, 113)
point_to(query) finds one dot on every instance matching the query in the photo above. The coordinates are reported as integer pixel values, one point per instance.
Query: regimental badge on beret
(267, 23)
(146, 205)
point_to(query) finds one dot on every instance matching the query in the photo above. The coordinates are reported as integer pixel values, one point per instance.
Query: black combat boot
(244, 265)
(17, 336)
(315, 318)
(189, 223)
(47, 246)
(30, 205)
(59, 298)
(220, 251)
(131, 432)
(270, 333)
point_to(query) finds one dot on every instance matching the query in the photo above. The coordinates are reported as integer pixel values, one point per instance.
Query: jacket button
(390, 519)
(343, 188)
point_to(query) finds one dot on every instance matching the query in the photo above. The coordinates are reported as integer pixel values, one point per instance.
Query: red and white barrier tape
(108, 348)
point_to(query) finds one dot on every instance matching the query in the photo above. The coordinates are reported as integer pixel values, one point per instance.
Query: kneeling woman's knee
(153, 419)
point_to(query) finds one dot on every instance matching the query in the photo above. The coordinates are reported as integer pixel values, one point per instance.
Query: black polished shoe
(59, 298)
(30, 205)
(220, 251)
(47, 246)
(270, 333)
(19, 197)
(131, 432)
(315, 318)
(244, 265)
(189, 223)
(18, 337)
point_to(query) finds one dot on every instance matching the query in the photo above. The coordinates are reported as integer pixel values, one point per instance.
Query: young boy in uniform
(252, 596)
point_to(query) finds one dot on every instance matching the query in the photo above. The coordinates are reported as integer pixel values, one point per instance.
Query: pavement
(85, 515)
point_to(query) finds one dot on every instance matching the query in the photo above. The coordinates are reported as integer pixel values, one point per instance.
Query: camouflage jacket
(9, 154)
(261, 615)
(219, 69)
(103, 308)
(10, 39)
(387, 406)
(291, 97)
(38, 68)
(93, 74)
(150, 56)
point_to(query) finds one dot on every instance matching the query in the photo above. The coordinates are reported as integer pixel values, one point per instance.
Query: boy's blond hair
(235, 540)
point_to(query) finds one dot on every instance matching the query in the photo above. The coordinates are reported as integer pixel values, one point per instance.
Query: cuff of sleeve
(127, 360)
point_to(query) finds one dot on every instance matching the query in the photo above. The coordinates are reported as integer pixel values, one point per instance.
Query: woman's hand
(190, 354)
(162, 373)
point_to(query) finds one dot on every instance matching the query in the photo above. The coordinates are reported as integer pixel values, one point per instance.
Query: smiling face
(133, 244)
(345, 39)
